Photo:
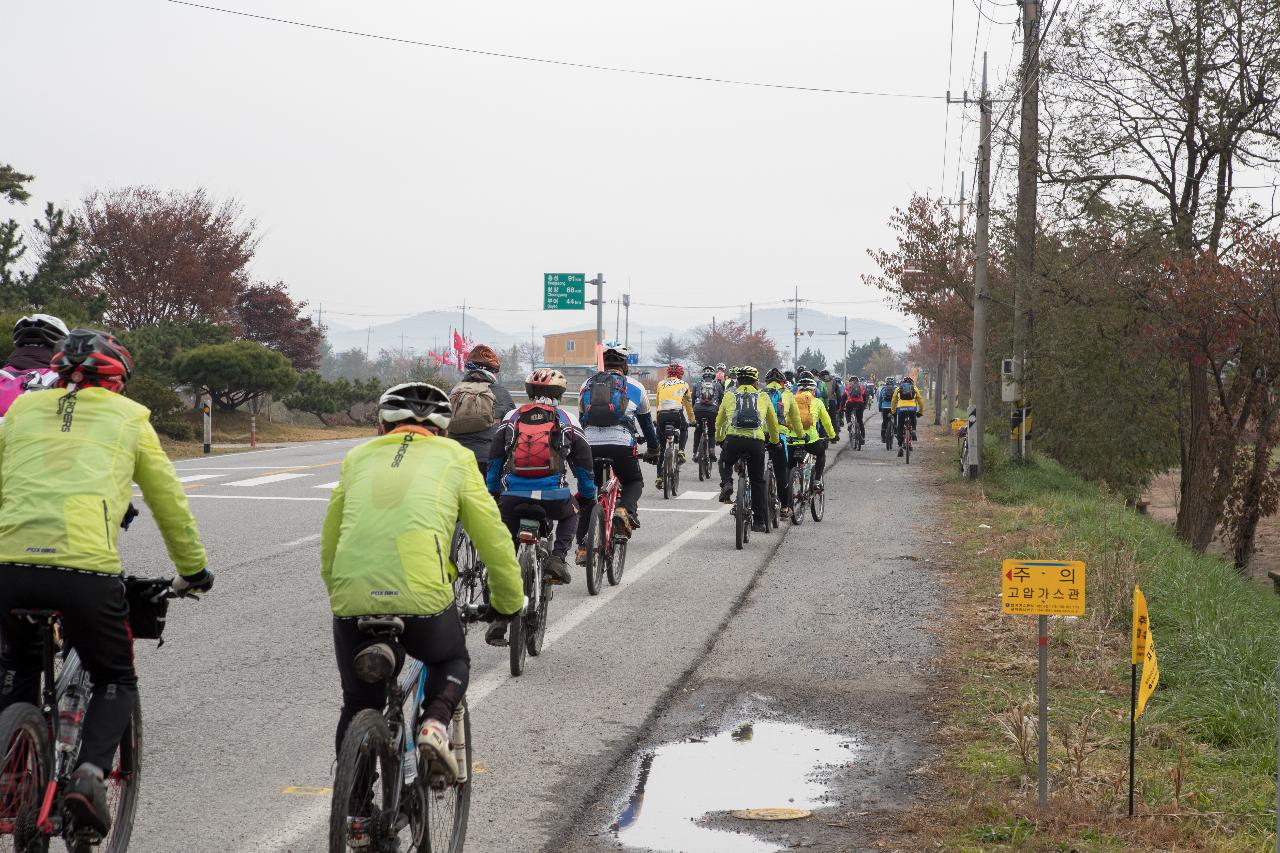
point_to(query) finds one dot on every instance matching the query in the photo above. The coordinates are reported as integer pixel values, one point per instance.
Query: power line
(988, 17)
(560, 62)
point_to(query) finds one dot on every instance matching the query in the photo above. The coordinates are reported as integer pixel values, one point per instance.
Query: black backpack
(707, 393)
(907, 391)
(605, 399)
(746, 414)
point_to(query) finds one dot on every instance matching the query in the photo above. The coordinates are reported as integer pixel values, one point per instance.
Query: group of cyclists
(72, 445)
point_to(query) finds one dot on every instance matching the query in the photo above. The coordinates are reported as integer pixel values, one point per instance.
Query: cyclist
(884, 398)
(908, 404)
(35, 338)
(527, 465)
(745, 422)
(384, 551)
(706, 405)
(479, 403)
(721, 373)
(675, 408)
(68, 462)
(855, 403)
(832, 397)
(788, 414)
(612, 405)
(816, 422)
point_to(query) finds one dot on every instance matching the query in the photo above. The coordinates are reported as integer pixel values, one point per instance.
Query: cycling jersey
(789, 426)
(674, 395)
(623, 433)
(914, 405)
(384, 548)
(768, 429)
(68, 462)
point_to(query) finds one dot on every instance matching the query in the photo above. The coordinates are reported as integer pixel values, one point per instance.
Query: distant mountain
(421, 332)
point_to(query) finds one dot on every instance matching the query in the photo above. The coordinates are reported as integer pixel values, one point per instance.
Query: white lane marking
(696, 496)
(194, 477)
(267, 480)
(673, 509)
(332, 485)
(303, 541)
(305, 821)
(250, 497)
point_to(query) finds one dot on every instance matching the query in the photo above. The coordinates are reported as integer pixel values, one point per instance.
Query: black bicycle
(886, 431)
(528, 629)
(857, 434)
(669, 465)
(385, 792)
(471, 586)
(703, 453)
(806, 490)
(40, 743)
(741, 504)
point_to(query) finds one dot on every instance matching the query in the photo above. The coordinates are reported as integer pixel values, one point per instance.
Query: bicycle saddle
(37, 615)
(381, 625)
(531, 511)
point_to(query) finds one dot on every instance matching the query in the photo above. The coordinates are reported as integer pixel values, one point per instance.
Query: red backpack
(538, 442)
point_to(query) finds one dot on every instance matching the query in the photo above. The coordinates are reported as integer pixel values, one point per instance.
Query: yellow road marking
(306, 791)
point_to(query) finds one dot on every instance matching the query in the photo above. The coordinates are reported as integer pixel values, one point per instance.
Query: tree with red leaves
(731, 343)
(267, 314)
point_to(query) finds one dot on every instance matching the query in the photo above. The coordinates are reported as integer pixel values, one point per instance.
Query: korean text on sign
(1042, 588)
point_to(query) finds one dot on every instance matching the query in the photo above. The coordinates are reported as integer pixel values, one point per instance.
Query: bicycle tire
(366, 749)
(665, 468)
(516, 631)
(457, 834)
(25, 752)
(774, 503)
(741, 514)
(675, 473)
(907, 446)
(123, 784)
(617, 562)
(818, 502)
(798, 496)
(595, 542)
(535, 637)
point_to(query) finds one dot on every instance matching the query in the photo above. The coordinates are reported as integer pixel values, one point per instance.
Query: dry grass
(233, 429)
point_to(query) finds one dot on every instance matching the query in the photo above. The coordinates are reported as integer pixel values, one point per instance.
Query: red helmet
(89, 357)
(676, 370)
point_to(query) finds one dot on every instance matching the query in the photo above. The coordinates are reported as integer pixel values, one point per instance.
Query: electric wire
(559, 62)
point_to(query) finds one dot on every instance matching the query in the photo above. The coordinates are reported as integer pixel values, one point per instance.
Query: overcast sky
(389, 178)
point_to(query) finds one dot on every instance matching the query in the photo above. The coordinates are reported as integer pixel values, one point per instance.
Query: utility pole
(617, 319)
(533, 349)
(978, 371)
(844, 348)
(368, 340)
(795, 345)
(751, 318)
(626, 329)
(598, 281)
(953, 386)
(1024, 243)
(464, 319)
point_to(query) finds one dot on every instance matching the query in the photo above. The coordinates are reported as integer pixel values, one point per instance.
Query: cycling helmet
(708, 372)
(805, 373)
(774, 375)
(615, 354)
(808, 383)
(720, 366)
(39, 330)
(825, 374)
(790, 374)
(675, 370)
(545, 382)
(89, 357)
(415, 402)
(747, 375)
(482, 357)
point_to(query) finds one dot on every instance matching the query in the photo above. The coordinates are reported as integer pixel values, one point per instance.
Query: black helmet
(774, 375)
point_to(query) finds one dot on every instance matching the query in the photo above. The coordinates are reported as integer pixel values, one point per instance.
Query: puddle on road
(760, 765)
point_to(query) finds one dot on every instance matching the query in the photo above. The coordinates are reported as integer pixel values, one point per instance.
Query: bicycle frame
(608, 500)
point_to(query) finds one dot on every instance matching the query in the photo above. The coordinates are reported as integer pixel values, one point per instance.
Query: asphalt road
(239, 704)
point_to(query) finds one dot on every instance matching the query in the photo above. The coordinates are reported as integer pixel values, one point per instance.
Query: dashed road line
(268, 479)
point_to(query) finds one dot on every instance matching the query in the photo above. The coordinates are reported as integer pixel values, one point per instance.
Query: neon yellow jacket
(674, 395)
(916, 405)
(386, 537)
(790, 425)
(820, 419)
(68, 462)
(768, 429)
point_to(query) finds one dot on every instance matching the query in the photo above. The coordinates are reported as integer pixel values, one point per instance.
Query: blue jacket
(886, 397)
(554, 487)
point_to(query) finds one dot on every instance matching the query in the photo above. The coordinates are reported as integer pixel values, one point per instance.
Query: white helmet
(39, 330)
(415, 402)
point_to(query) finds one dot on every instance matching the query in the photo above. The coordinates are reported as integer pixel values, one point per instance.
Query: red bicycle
(606, 548)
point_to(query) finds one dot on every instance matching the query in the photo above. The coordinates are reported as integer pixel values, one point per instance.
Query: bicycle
(741, 504)
(40, 743)
(606, 549)
(383, 787)
(703, 454)
(528, 629)
(805, 491)
(860, 437)
(886, 431)
(669, 464)
(908, 437)
(775, 502)
(471, 586)
(964, 451)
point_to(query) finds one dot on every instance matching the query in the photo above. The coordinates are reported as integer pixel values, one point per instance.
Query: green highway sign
(564, 291)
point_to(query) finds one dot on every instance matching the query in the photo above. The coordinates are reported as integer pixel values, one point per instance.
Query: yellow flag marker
(1150, 666)
(1141, 626)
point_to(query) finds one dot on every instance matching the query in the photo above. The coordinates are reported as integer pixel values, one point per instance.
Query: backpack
(14, 385)
(805, 401)
(707, 393)
(604, 399)
(474, 405)
(907, 391)
(776, 397)
(537, 443)
(857, 394)
(746, 413)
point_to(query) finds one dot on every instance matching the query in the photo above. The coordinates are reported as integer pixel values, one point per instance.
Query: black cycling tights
(436, 640)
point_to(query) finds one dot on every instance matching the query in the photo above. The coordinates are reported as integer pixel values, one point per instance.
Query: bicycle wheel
(741, 514)
(798, 495)
(665, 468)
(26, 762)
(907, 448)
(517, 630)
(448, 805)
(595, 541)
(704, 460)
(774, 503)
(363, 811)
(122, 784)
(818, 502)
(617, 561)
(675, 472)
(537, 631)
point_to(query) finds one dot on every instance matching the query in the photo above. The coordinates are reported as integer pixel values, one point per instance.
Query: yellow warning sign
(1042, 587)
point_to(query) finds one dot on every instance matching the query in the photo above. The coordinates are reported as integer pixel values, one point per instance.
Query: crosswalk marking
(194, 477)
(267, 480)
(332, 485)
(696, 496)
